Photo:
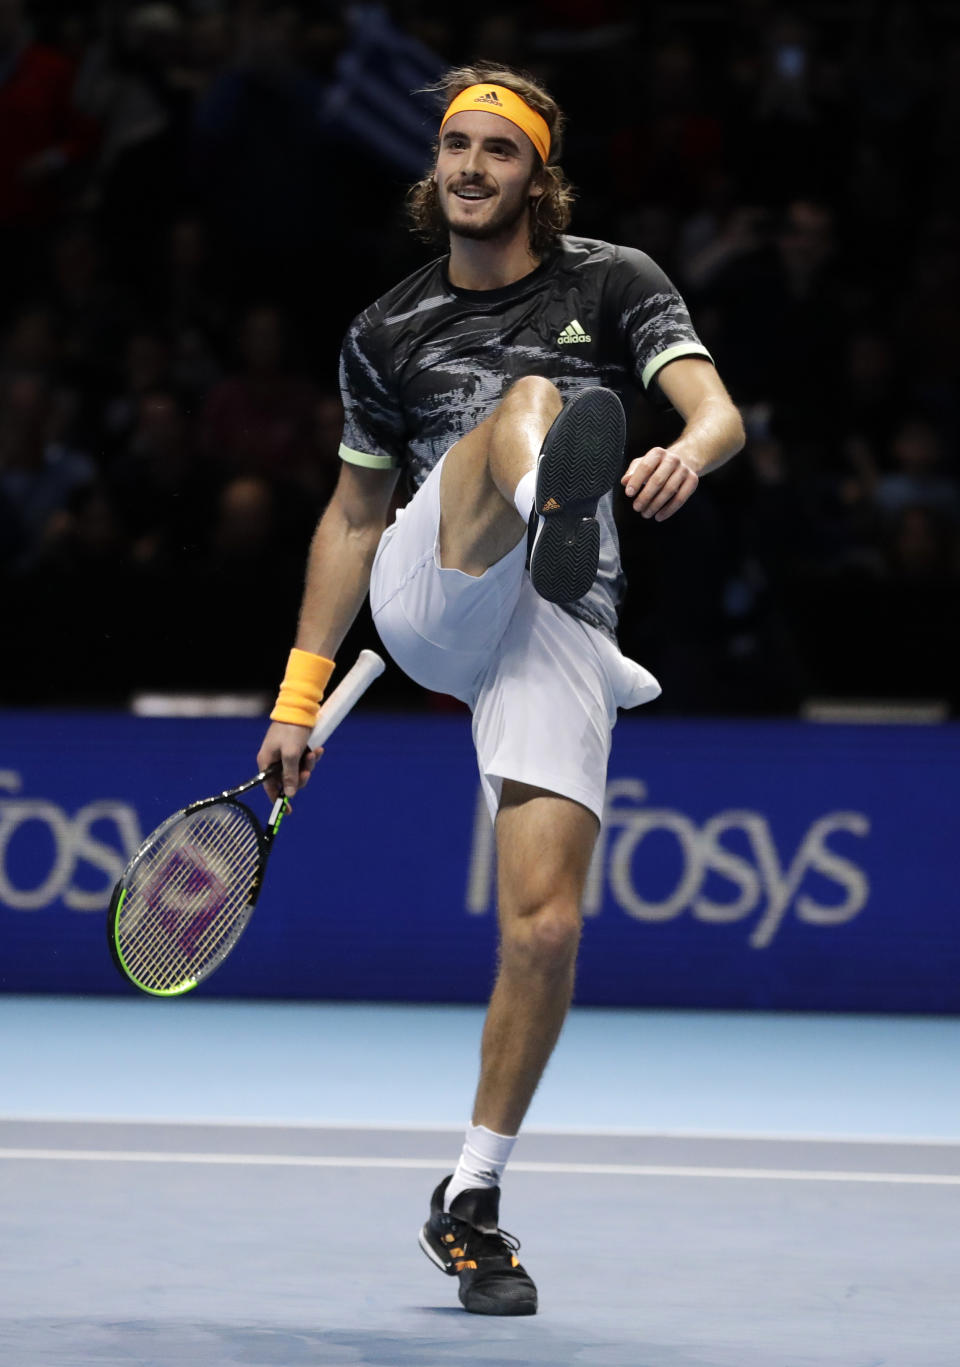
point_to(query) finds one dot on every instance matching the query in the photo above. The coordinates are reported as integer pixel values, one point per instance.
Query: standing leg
(544, 846)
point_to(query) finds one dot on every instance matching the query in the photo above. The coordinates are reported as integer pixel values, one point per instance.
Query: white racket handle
(348, 691)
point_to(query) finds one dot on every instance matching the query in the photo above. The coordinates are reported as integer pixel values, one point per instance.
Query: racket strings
(206, 842)
(221, 929)
(187, 902)
(196, 901)
(192, 903)
(188, 898)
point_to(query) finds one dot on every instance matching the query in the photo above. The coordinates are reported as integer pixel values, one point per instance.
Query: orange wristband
(299, 698)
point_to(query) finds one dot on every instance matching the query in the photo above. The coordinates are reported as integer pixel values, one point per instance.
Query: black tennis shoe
(467, 1243)
(581, 457)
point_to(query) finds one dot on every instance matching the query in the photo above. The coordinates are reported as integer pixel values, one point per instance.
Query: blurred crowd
(195, 199)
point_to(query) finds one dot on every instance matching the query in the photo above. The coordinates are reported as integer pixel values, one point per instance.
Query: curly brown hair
(549, 211)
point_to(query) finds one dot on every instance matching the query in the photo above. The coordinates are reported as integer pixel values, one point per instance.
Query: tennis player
(494, 379)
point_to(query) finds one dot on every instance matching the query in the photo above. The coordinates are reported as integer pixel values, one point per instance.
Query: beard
(501, 222)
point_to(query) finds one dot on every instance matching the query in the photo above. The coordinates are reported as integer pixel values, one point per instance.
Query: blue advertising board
(765, 864)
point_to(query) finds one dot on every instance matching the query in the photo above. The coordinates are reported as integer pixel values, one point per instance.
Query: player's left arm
(661, 482)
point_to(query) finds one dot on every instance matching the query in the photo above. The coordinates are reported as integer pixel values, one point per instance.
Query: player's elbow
(725, 418)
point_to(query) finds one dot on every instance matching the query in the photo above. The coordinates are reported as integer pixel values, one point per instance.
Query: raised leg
(478, 521)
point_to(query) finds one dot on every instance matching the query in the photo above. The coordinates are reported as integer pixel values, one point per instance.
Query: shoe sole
(502, 1309)
(579, 462)
(434, 1257)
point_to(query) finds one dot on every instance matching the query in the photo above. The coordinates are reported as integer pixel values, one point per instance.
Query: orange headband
(497, 99)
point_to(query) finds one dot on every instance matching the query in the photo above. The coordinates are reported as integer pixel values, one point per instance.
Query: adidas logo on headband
(497, 99)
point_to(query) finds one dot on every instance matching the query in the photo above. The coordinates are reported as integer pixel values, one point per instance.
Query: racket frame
(368, 667)
(264, 843)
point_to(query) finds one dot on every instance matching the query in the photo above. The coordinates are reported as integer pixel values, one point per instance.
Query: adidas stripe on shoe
(579, 462)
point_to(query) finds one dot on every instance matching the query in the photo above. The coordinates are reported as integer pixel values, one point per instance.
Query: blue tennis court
(223, 1183)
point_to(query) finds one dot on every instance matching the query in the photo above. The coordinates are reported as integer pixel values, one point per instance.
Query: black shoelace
(497, 1243)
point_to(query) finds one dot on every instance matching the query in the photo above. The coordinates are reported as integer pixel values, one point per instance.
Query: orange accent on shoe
(467, 1262)
(551, 506)
(457, 1253)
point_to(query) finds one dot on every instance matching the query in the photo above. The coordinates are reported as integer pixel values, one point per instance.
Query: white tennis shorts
(543, 686)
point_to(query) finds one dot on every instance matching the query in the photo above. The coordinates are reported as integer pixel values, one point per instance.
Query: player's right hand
(286, 744)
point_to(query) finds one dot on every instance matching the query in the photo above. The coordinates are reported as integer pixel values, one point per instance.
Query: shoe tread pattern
(581, 459)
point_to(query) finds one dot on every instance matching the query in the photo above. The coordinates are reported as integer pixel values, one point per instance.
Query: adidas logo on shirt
(490, 97)
(573, 332)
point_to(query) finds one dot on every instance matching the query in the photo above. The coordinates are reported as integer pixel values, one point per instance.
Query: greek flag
(373, 96)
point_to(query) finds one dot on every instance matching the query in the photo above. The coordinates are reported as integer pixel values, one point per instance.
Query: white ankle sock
(482, 1160)
(523, 496)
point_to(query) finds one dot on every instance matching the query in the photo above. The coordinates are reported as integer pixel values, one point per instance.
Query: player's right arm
(337, 581)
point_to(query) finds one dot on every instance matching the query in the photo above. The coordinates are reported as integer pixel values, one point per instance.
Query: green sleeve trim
(364, 458)
(672, 353)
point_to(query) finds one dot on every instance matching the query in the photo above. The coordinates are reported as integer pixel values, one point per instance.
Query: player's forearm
(338, 579)
(712, 434)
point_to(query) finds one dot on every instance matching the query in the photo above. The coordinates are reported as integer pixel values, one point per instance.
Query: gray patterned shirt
(427, 362)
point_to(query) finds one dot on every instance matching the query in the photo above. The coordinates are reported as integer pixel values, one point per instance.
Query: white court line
(279, 1160)
(456, 1127)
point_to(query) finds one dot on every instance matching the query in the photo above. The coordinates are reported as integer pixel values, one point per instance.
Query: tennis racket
(185, 898)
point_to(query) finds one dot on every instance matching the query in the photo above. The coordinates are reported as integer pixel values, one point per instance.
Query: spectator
(269, 212)
(190, 297)
(873, 398)
(922, 546)
(89, 312)
(128, 85)
(918, 479)
(793, 172)
(146, 368)
(31, 343)
(85, 534)
(37, 474)
(162, 492)
(245, 527)
(192, 309)
(247, 557)
(83, 588)
(42, 136)
(783, 327)
(261, 421)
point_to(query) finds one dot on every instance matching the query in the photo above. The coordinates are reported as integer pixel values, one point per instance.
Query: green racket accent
(184, 899)
(154, 991)
(281, 809)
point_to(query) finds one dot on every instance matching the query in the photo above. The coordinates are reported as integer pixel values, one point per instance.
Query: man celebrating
(494, 378)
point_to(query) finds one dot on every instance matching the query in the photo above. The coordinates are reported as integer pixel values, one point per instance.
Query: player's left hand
(659, 483)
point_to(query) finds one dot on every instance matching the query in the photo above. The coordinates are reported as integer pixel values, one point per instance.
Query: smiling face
(486, 175)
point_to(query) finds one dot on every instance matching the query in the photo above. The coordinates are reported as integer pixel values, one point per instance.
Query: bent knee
(533, 391)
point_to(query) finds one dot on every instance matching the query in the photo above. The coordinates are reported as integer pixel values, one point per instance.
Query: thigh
(544, 847)
(441, 625)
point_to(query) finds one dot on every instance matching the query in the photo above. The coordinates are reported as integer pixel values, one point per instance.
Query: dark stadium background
(195, 199)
